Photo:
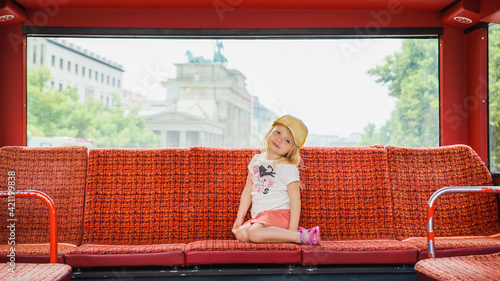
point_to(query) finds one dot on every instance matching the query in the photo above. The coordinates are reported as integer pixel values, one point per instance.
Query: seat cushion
(90, 255)
(456, 246)
(359, 252)
(36, 272)
(475, 267)
(234, 252)
(34, 253)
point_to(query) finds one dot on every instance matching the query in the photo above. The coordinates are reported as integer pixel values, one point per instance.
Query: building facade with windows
(71, 66)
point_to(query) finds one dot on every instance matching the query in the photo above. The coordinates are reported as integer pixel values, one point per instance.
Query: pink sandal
(313, 234)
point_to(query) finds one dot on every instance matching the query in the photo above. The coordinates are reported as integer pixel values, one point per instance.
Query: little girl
(273, 189)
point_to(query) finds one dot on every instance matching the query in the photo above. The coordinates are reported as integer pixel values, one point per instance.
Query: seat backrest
(416, 173)
(60, 172)
(136, 196)
(345, 192)
(218, 176)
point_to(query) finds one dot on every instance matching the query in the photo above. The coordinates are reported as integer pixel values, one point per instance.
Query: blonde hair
(292, 157)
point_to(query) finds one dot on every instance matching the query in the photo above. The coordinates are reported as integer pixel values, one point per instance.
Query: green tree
(371, 136)
(412, 78)
(47, 108)
(54, 113)
(494, 95)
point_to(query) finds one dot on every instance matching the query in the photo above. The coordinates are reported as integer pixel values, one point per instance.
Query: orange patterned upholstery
(359, 252)
(217, 179)
(134, 212)
(416, 173)
(60, 172)
(91, 249)
(135, 196)
(234, 252)
(347, 195)
(480, 267)
(92, 255)
(345, 192)
(359, 245)
(37, 249)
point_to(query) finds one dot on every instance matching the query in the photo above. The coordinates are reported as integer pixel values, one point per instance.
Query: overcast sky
(323, 82)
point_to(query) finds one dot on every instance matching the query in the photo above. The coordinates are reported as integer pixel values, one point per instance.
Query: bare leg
(242, 233)
(259, 233)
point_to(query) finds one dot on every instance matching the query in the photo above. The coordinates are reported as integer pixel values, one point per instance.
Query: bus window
(116, 92)
(494, 96)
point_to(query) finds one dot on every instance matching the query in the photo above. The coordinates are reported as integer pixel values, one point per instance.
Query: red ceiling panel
(423, 5)
(490, 11)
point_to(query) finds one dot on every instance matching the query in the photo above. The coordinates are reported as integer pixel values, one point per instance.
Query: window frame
(272, 33)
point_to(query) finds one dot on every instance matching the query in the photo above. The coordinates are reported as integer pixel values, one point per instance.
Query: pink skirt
(279, 218)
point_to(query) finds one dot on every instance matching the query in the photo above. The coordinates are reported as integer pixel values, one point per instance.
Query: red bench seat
(90, 255)
(176, 207)
(134, 208)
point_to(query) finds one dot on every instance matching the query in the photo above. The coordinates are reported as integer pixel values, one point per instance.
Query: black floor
(251, 272)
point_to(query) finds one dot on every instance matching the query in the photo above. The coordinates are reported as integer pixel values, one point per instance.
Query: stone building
(207, 104)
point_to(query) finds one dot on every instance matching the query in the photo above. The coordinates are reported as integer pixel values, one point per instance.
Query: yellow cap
(296, 126)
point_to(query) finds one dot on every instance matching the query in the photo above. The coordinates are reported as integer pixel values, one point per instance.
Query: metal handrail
(443, 191)
(52, 215)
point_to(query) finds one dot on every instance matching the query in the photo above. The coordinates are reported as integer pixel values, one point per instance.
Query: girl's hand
(245, 202)
(237, 223)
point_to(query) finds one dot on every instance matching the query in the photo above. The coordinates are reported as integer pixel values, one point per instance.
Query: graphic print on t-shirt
(266, 172)
(261, 184)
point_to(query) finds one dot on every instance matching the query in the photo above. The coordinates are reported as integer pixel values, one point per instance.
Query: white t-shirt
(269, 190)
